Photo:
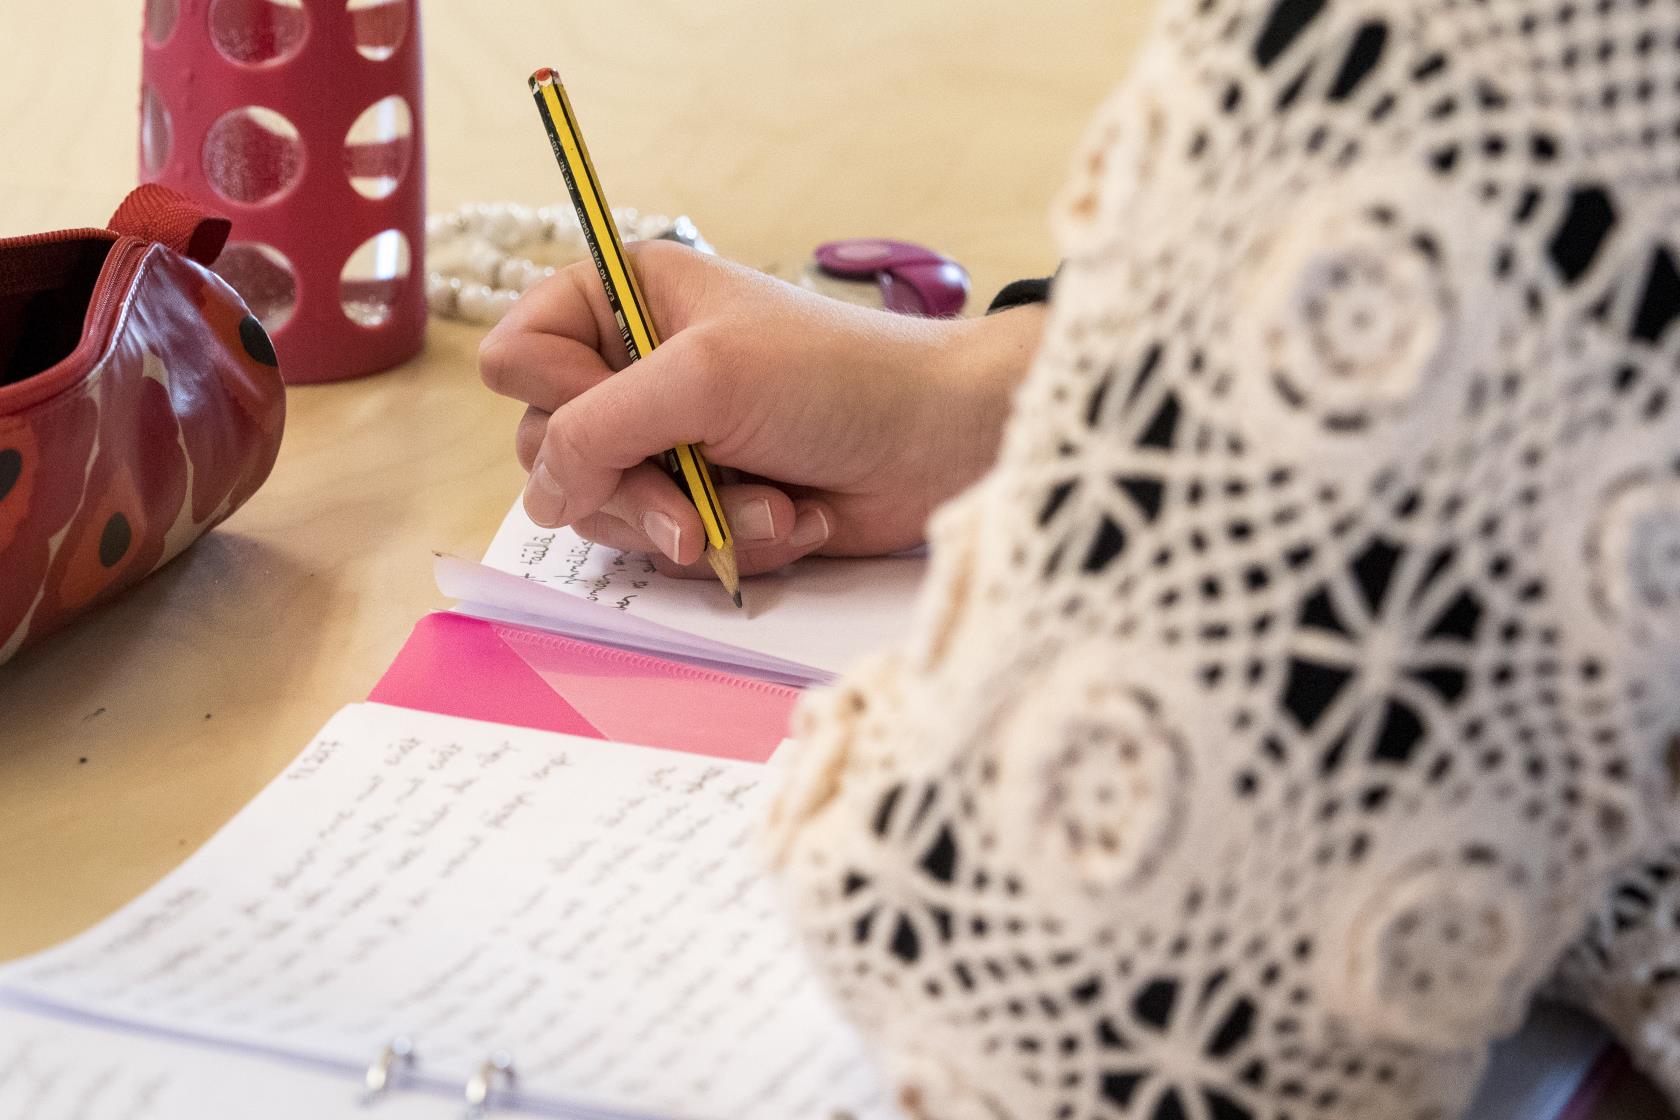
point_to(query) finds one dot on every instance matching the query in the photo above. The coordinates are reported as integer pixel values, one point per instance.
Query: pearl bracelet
(482, 257)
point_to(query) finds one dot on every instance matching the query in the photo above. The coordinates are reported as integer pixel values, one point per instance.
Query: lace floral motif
(1299, 694)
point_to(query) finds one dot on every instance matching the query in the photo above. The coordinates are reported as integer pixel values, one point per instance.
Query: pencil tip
(722, 561)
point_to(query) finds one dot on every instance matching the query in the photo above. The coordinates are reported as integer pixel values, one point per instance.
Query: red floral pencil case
(140, 405)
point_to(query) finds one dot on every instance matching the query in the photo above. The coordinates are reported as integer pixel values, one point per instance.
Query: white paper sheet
(811, 619)
(486, 592)
(595, 909)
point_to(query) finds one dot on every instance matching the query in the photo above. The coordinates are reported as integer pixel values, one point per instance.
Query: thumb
(671, 396)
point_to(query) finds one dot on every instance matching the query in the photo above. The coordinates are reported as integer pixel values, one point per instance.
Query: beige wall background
(775, 125)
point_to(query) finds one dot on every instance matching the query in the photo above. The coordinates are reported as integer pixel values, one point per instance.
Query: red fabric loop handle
(159, 214)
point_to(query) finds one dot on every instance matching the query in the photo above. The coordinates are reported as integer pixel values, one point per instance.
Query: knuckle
(657, 252)
(565, 445)
(527, 441)
(494, 362)
(705, 363)
(594, 527)
(576, 279)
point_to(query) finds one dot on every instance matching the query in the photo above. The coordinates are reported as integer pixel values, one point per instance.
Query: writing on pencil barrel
(686, 465)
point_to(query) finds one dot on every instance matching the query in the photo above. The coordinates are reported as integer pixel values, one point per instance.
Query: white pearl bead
(483, 262)
(441, 293)
(503, 228)
(555, 220)
(443, 227)
(491, 242)
(521, 275)
(476, 302)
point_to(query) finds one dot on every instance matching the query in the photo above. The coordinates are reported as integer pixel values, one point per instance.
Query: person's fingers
(812, 527)
(678, 394)
(647, 499)
(544, 370)
(605, 529)
(649, 502)
(808, 528)
(758, 514)
(570, 304)
(528, 437)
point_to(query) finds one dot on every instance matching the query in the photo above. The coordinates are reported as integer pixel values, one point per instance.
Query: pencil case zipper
(99, 326)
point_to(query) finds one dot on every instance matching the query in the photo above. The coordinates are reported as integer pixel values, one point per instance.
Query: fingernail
(810, 528)
(545, 499)
(751, 520)
(662, 529)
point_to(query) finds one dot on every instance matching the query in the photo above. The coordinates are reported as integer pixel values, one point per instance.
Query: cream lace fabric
(1300, 694)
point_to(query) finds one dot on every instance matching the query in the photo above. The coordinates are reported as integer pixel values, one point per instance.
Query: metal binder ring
(399, 1052)
(480, 1084)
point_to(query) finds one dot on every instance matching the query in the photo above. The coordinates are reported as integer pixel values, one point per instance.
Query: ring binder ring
(399, 1052)
(480, 1085)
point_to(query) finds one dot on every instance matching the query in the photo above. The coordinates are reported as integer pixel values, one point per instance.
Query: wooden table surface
(126, 741)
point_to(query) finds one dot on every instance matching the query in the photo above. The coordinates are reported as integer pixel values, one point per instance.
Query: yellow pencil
(685, 463)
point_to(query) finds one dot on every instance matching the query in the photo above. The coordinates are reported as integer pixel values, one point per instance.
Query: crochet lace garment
(1300, 694)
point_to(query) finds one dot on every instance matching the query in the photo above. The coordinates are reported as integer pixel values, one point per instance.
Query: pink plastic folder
(460, 666)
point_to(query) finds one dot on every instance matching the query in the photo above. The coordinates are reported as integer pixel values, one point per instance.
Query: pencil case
(140, 405)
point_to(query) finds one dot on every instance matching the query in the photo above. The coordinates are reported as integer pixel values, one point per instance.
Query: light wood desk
(126, 741)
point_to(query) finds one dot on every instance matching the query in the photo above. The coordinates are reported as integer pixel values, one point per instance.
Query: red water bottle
(300, 120)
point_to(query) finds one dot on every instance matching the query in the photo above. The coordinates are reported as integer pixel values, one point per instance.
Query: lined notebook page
(593, 908)
(819, 613)
(52, 1069)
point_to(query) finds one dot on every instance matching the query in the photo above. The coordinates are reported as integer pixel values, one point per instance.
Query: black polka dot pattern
(114, 540)
(11, 469)
(256, 341)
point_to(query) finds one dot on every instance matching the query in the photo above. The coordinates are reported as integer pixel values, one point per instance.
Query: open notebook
(589, 908)
(802, 625)
(592, 909)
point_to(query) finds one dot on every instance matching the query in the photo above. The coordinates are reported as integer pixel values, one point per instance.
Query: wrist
(977, 378)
